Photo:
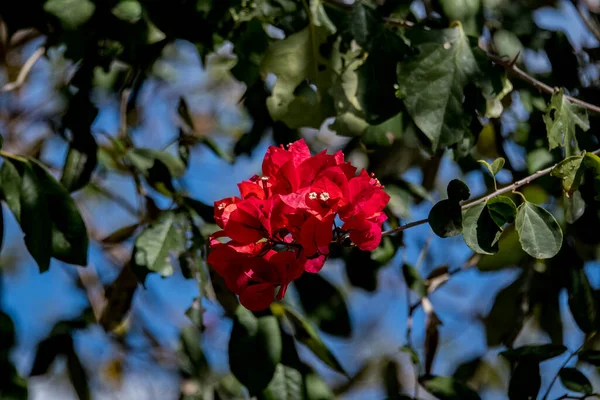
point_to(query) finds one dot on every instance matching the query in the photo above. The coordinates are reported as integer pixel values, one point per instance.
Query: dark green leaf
(561, 120)
(121, 234)
(414, 281)
(458, 190)
(505, 319)
(431, 83)
(155, 245)
(445, 218)
(525, 380)
(570, 171)
(119, 295)
(324, 304)
(47, 350)
(286, 384)
(254, 349)
(581, 300)
(190, 342)
(69, 233)
(391, 381)
(26, 199)
(446, 388)
(307, 335)
(145, 159)
(80, 163)
(590, 356)
(502, 209)
(574, 380)
(539, 233)
(77, 375)
(537, 353)
(480, 232)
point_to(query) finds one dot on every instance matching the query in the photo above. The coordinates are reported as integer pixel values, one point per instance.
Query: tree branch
(541, 86)
(509, 188)
(565, 364)
(589, 23)
(25, 70)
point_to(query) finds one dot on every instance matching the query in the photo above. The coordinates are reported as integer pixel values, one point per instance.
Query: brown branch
(564, 364)
(541, 86)
(589, 23)
(509, 188)
(25, 70)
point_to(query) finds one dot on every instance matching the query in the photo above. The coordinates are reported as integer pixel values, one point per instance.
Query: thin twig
(541, 86)
(123, 112)
(509, 188)
(564, 364)
(589, 23)
(25, 70)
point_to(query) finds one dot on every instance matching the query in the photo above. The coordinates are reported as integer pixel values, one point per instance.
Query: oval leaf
(539, 233)
(536, 353)
(480, 231)
(581, 300)
(324, 304)
(308, 336)
(502, 209)
(590, 356)
(254, 349)
(446, 388)
(574, 380)
(458, 191)
(445, 218)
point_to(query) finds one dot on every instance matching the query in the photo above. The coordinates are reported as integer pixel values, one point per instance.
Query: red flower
(283, 224)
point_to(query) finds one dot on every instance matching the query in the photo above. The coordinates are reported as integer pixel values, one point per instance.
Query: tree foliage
(505, 151)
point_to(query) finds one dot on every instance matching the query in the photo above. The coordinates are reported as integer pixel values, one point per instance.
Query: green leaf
(71, 13)
(431, 84)
(502, 209)
(581, 299)
(324, 304)
(446, 388)
(384, 134)
(77, 375)
(458, 191)
(495, 167)
(537, 353)
(298, 63)
(590, 356)
(316, 388)
(480, 231)
(414, 281)
(445, 218)
(561, 120)
(505, 319)
(414, 357)
(507, 44)
(525, 380)
(145, 159)
(574, 380)
(69, 234)
(128, 11)
(157, 242)
(570, 171)
(254, 349)
(308, 336)
(539, 233)
(80, 163)
(22, 192)
(287, 384)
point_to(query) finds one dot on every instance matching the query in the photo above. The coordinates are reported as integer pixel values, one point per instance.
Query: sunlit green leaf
(539, 233)
(446, 388)
(561, 120)
(480, 231)
(431, 83)
(155, 246)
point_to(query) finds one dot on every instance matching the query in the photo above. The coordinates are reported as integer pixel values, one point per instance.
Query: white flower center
(222, 206)
(265, 178)
(324, 196)
(312, 195)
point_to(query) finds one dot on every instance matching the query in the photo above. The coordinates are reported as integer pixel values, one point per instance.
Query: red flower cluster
(284, 221)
